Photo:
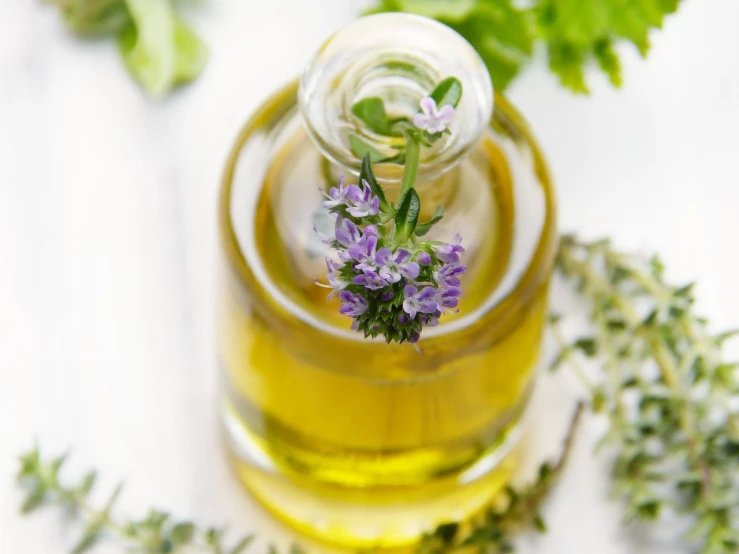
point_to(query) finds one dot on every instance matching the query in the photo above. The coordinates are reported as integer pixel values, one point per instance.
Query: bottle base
(369, 517)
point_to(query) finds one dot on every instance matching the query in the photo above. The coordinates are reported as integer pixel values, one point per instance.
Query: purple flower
(364, 203)
(334, 280)
(336, 196)
(431, 320)
(393, 268)
(403, 318)
(447, 297)
(347, 234)
(419, 301)
(432, 119)
(370, 280)
(448, 276)
(387, 296)
(353, 305)
(364, 253)
(424, 258)
(449, 253)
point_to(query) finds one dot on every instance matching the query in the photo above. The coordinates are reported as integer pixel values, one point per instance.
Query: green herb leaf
(158, 49)
(424, 227)
(362, 149)
(94, 18)
(371, 111)
(366, 174)
(575, 33)
(191, 54)
(447, 92)
(406, 216)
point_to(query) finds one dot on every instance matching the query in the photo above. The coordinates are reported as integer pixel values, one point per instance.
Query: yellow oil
(351, 440)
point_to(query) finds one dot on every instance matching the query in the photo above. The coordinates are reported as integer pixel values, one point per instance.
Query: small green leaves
(424, 227)
(448, 92)
(664, 392)
(406, 216)
(157, 533)
(371, 111)
(365, 174)
(362, 149)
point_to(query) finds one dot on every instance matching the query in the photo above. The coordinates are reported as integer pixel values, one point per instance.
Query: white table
(108, 241)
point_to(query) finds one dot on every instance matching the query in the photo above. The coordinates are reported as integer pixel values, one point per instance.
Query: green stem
(412, 159)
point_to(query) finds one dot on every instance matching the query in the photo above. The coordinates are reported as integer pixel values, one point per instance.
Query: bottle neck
(398, 58)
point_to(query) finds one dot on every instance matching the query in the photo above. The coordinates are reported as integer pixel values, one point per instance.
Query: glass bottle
(352, 440)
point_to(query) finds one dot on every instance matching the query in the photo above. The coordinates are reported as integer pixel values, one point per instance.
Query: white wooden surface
(108, 240)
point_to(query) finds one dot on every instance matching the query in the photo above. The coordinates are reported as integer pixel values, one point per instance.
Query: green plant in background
(574, 33)
(162, 52)
(159, 49)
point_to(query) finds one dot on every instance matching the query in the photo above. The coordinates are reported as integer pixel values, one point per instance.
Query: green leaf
(159, 49)
(424, 227)
(242, 545)
(575, 33)
(95, 19)
(447, 92)
(361, 149)
(191, 54)
(182, 533)
(365, 174)
(89, 540)
(406, 216)
(372, 112)
(147, 45)
(34, 499)
(87, 483)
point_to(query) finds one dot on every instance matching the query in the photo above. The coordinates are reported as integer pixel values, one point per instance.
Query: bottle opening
(400, 58)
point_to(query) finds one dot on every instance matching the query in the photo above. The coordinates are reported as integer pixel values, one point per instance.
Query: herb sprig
(157, 533)
(671, 400)
(390, 281)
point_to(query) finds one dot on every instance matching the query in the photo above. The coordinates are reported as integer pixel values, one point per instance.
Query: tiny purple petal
(410, 270)
(428, 106)
(426, 293)
(387, 296)
(424, 258)
(354, 304)
(401, 255)
(383, 255)
(421, 121)
(403, 319)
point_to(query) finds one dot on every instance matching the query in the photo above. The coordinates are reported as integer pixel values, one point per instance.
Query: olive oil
(353, 440)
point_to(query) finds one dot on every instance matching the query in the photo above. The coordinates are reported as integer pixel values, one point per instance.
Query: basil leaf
(406, 217)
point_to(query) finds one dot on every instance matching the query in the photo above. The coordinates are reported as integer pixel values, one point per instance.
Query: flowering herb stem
(412, 158)
(390, 282)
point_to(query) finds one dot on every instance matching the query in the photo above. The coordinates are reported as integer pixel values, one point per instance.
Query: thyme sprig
(157, 533)
(670, 398)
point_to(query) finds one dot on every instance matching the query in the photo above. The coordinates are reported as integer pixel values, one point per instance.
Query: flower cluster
(388, 289)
